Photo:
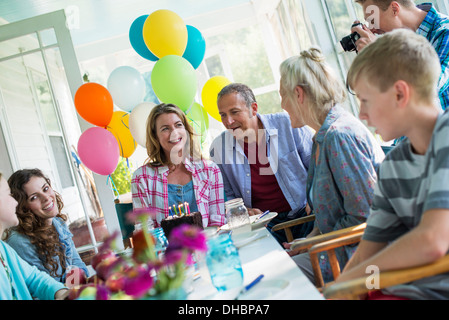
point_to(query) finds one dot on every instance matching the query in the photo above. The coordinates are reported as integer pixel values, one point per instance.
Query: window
(240, 56)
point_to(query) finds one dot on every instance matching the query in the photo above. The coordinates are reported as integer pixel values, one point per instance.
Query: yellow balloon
(165, 33)
(119, 127)
(210, 92)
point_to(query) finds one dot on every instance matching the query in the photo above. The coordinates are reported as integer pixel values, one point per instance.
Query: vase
(172, 294)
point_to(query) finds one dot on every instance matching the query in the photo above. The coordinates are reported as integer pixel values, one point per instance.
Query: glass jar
(158, 235)
(161, 241)
(223, 263)
(236, 213)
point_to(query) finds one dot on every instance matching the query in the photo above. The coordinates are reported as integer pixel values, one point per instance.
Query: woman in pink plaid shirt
(175, 171)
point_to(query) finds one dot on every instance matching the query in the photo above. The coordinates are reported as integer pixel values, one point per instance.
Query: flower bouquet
(142, 275)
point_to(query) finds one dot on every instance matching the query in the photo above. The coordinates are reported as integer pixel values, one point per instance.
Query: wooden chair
(347, 237)
(354, 288)
(286, 226)
(324, 242)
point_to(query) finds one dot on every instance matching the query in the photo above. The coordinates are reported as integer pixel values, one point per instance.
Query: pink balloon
(98, 150)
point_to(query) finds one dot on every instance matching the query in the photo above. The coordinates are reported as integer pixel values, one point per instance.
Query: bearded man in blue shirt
(263, 159)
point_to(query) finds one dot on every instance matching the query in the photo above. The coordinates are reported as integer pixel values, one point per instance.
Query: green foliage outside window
(121, 177)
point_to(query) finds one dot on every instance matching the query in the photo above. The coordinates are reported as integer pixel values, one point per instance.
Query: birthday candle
(174, 208)
(180, 209)
(188, 208)
(169, 210)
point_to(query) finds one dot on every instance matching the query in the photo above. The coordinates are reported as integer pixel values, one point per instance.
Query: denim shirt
(288, 153)
(343, 177)
(28, 252)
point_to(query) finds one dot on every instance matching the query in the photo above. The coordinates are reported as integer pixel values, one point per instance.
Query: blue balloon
(136, 39)
(196, 47)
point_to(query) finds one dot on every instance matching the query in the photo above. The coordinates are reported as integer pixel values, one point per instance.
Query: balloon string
(118, 140)
(127, 127)
(112, 184)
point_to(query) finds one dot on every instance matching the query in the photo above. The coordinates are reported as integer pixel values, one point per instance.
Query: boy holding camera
(386, 15)
(409, 220)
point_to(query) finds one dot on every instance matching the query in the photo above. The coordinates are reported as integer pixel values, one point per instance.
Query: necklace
(13, 291)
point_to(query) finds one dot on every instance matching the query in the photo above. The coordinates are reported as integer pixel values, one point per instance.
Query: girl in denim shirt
(19, 280)
(42, 238)
(345, 156)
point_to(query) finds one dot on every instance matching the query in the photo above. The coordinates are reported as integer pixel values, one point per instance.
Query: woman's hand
(62, 294)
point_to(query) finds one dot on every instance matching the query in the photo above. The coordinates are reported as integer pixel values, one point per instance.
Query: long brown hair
(44, 237)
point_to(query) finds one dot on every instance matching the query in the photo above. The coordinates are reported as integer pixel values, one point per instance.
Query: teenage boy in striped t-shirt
(395, 80)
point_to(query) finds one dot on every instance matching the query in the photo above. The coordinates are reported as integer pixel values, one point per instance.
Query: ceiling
(96, 20)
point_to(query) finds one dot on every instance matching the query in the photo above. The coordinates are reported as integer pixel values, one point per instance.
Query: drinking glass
(236, 213)
(223, 262)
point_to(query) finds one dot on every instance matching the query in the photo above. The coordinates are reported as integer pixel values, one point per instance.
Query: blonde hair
(384, 4)
(310, 71)
(156, 156)
(398, 55)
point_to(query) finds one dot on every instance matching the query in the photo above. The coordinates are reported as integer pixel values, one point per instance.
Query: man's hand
(366, 36)
(254, 211)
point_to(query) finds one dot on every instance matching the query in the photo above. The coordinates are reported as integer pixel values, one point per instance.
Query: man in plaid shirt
(387, 15)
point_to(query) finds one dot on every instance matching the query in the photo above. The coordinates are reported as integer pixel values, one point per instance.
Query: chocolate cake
(167, 224)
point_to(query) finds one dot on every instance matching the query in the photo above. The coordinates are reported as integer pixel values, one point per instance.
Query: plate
(241, 239)
(258, 224)
(262, 221)
(266, 290)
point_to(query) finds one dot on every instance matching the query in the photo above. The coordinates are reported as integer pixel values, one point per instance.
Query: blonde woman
(175, 171)
(345, 155)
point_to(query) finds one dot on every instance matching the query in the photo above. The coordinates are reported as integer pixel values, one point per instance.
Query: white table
(263, 255)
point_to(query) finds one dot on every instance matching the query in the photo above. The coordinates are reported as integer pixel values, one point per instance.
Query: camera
(348, 42)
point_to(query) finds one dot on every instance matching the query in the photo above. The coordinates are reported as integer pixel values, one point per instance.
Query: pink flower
(109, 266)
(188, 237)
(107, 242)
(138, 281)
(173, 256)
(141, 214)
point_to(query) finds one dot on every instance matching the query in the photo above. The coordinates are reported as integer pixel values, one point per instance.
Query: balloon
(138, 122)
(165, 33)
(98, 150)
(119, 127)
(127, 87)
(174, 81)
(199, 120)
(210, 92)
(196, 47)
(136, 39)
(94, 104)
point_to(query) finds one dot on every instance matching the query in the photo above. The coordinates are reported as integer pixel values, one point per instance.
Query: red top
(265, 191)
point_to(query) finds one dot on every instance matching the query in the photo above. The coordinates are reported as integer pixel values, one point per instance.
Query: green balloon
(174, 81)
(199, 119)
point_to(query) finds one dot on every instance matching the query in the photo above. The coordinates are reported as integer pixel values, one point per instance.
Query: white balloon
(127, 87)
(138, 122)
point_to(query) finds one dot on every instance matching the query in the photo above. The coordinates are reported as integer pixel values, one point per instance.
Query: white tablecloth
(282, 280)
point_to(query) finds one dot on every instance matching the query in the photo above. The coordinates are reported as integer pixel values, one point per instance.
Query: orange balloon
(94, 104)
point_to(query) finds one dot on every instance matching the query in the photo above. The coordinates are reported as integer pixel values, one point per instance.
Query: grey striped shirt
(409, 185)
